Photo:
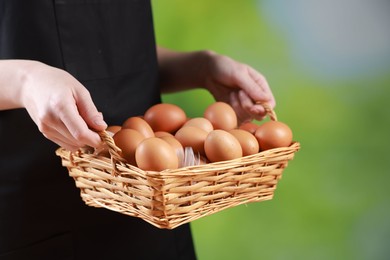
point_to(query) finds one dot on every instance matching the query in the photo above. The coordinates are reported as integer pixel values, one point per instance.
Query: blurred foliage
(332, 200)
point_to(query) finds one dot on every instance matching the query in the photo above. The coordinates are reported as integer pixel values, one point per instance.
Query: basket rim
(86, 154)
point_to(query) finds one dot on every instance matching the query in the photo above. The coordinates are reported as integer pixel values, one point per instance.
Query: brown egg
(248, 141)
(201, 123)
(113, 129)
(249, 126)
(273, 134)
(162, 133)
(220, 145)
(190, 136)
(155, 154)
(170, 139)
(139, 124)
(165, 117)
(128, 140)
(221, 115)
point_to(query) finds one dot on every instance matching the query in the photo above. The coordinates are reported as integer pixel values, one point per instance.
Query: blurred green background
(328, 65)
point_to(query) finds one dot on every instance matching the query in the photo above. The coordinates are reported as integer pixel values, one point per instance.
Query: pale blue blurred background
(328, 63)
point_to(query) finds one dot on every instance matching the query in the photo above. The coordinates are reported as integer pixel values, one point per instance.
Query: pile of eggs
(153, 142)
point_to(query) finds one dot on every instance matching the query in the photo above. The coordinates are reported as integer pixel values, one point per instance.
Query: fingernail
(99, 121)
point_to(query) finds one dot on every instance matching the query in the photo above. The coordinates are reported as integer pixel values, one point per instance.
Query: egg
(155, 154)
(220, 145)
(201, 123)
(249, 126)
(170, 139)
(190, 136)
(221, 115)
(162, 133)
(128, 140)
(273, 134)
(112, 129)
(248, 141)
(165, 117)
(139, 124)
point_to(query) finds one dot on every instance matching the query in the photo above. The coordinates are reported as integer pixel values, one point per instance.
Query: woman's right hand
(60, 106)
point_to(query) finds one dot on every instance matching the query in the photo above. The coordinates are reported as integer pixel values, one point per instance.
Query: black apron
(109, 47)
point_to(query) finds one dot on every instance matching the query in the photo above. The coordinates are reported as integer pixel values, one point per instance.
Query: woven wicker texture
(170, 198)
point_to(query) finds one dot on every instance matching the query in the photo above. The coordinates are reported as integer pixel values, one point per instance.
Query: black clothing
(108, 45)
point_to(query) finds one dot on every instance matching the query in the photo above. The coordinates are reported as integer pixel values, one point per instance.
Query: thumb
(89, 112)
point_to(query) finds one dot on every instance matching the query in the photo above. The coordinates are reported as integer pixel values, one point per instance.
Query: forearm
(181, 70)
(13, 74)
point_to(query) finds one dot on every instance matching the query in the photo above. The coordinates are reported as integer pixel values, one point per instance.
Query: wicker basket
(170, 198)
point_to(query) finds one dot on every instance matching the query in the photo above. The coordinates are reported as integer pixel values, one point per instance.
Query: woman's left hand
(239, 85)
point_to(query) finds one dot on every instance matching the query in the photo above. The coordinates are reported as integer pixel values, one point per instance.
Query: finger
(61, 132)
(242, 115)
(261, 81)
(253, 86)
(254, 111)
(65, 145)
(88, 110)
(62, 137)
(57, 132)
(52, 128)
(77, 127)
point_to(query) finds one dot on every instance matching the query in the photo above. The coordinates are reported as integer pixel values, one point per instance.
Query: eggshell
(139, 124)
(190, 136)
(165, 117)
(113, 129)
(220, 145)
(162, 133)
(128, 140)
(273, 134)
(249, 126)
(248, 141)
(155, 154)
(221, 115)
(170, 139)
(201, 123)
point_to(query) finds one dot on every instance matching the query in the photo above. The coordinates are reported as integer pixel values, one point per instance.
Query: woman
(63, 65)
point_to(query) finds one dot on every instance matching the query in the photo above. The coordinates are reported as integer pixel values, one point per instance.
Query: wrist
(13, 82)
(206, 58)
(184, 70)
(27, 70)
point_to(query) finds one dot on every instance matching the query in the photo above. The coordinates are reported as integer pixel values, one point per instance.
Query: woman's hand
(237, 84)
(227, 80)
(60, 106)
